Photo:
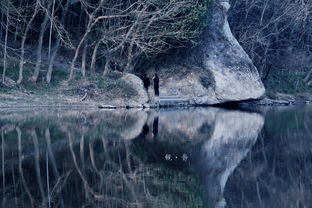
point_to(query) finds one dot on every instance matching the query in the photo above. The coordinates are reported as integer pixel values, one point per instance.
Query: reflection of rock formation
(187, 124)
(233, 136)
(94, 146)
(173, 134)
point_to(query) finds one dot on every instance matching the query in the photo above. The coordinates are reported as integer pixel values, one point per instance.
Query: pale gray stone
(218, 58)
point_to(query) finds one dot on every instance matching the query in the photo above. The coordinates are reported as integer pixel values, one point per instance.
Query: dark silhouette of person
(146, 81)
(156, 84)
(114, 65)
(145, 130)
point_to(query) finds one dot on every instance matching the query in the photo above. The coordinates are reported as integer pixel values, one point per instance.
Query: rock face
(218, 70)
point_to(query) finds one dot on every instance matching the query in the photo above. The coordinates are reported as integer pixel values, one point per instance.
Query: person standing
(156, 84)
(116, 66)
(146, 81)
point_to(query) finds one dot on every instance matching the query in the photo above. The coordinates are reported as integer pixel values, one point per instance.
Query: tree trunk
(35, 76)
(5, 47)
(90, 25)
(22, 58)
(2, 17)
(72, 66)
(106, 68)
(56, 48)
(51, 61)
(94, 54)
(51, 29)
(83, 61)
(308, 76)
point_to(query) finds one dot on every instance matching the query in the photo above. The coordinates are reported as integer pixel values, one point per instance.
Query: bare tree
(61, 37)
(94, 55)
(270, 30)
(43, 28)
(115, 30)
(24, 37)
(130, 30)
(7, 8)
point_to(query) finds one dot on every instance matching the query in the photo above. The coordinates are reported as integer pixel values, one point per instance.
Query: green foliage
(286, 81)
(183, 189)
(59, 74)
(12, 70)
(190, 21)
(197, 19)
(114, 86)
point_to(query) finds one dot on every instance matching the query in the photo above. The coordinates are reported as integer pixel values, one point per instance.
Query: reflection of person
(156, 84)
(155, 127)
(145, 130)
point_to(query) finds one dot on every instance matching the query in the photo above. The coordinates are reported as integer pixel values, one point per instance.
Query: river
(184, 158)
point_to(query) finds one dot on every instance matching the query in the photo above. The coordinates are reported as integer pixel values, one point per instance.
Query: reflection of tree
(124, 180)
(277, 172)
(91, 170)
(37, 166)
(2, 159)
(20, 168)
(27, 187)
(58, 186)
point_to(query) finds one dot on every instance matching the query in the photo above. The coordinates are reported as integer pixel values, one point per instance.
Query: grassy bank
(287, 81)
(92, 88)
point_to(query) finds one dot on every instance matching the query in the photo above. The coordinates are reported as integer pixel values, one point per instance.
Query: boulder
(137, 84)
(134, 95)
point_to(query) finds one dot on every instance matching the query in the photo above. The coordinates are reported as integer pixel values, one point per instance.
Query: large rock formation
(217, 70)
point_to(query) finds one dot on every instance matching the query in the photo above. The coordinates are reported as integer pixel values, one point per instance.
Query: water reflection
(277, 172)
(233, 136)
(123, 158)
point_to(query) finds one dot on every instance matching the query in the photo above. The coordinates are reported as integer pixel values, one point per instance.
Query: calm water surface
(184, 158)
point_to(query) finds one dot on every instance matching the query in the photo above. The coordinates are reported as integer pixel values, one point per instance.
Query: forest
(94, 33)
(277, 35)
(87, 36)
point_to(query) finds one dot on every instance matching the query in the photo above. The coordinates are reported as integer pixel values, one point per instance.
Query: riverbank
(81, 98)
(115, 90)
(280, 99)
(125, 90)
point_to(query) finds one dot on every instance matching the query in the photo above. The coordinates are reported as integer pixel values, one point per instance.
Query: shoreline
(86, 95)
(95, 105)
